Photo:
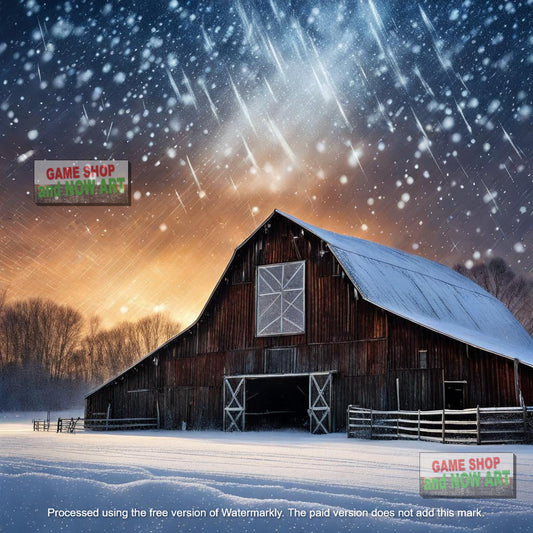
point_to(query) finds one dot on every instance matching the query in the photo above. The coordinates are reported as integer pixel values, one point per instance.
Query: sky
(408, 124)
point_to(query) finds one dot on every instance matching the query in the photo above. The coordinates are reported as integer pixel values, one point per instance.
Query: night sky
(409, 124)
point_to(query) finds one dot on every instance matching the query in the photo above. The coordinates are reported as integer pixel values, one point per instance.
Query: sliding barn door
(234, 404)
(320, 393)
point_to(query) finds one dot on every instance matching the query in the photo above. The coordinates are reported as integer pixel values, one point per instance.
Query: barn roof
(427, 293)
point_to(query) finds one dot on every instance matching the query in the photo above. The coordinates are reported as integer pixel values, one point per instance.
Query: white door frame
(234, 403)
(320, 403)
(320, 399)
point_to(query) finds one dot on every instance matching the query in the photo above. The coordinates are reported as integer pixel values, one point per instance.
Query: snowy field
(257, 473)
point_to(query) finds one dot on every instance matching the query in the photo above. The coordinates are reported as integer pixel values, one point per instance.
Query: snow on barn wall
(380, 342)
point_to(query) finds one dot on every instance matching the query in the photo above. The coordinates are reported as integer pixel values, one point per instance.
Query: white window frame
(282, 292)
(423, 359)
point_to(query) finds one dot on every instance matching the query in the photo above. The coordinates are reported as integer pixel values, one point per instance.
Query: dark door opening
(454, 395)
(274, 403)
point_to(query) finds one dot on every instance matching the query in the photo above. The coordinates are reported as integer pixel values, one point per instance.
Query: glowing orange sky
(120, 272)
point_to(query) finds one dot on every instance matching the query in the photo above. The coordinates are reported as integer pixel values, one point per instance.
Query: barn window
(423, 358)
(328, 265)
(239, 276)
(280, 303)
(280, 360)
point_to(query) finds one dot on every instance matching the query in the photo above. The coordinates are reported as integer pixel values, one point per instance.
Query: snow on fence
(481, 425)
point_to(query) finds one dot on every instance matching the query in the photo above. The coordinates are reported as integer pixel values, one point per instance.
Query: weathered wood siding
(367, 347)
(526, 383)
(490, 378)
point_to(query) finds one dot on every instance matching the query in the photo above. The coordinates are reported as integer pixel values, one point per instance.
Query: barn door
(320, 403)
(234, 403)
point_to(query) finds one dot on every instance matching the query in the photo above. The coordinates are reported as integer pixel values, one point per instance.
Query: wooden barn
(304, 322)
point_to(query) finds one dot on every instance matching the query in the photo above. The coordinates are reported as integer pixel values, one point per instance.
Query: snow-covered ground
(264, 473)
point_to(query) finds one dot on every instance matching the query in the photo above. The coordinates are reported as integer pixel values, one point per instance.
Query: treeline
(515, 291)
(50, 356)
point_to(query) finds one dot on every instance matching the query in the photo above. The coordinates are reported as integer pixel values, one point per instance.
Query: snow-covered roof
(427, 293)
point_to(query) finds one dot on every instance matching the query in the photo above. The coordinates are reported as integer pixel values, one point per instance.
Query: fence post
(443, 427)
(478, 425)
(526, 436)
(398, 425)
(348, 422)
(371, 424)
(419, 424)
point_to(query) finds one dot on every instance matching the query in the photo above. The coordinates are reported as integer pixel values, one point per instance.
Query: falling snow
(400, 122)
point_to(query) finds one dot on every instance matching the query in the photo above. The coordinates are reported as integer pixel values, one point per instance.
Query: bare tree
(153, 330)
(516, 292)
(2, 304)
(42, 338)
(89, 356)
(67, 326)
(110, 351)
(40, 332)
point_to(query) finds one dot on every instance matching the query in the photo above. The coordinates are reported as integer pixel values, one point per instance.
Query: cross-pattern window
(280, 308)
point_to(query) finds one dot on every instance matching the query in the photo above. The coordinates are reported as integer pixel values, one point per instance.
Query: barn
(305, 321)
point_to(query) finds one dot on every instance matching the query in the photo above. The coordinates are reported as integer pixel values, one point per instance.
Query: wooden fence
(481, 425)
(41, 425)
(107, 424)
(69, 425)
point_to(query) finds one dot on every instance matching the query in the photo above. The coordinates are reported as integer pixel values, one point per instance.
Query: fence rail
(481, 425)
(67, 425)
(107, 424)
